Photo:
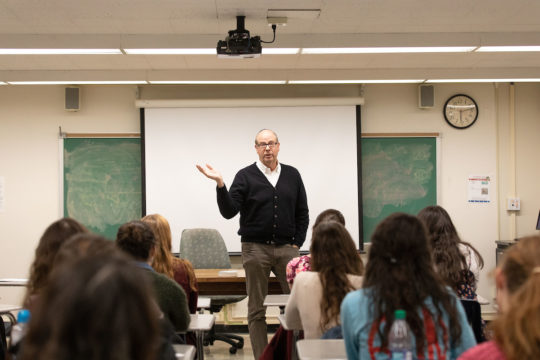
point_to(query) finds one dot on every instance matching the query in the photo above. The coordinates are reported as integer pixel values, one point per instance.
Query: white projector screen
(320, 141)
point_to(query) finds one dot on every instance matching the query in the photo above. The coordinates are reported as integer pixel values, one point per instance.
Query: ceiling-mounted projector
(239, 44)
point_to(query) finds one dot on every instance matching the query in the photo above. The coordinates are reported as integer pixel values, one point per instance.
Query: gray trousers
(258, 260)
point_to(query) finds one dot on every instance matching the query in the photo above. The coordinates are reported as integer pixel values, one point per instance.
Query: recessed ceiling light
(482, 80)
(218, 82)
(387, 50)
(354, 81)
(507, 48)
(74, 82)
(178, 51)
(280, 51)
(60, 52)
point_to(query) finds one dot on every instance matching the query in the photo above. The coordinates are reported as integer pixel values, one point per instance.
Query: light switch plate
(514, 204)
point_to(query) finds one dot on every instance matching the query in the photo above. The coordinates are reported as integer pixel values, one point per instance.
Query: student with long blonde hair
(180, 270)
(517, 330)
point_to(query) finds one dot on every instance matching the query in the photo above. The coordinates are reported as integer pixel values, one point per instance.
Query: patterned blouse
(297, 265)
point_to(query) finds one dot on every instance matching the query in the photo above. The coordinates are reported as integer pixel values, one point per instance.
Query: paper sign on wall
(479, 189)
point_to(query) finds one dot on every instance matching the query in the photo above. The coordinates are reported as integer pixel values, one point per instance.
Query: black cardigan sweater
(267, 215)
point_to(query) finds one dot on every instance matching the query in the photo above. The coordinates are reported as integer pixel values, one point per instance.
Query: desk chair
(206, 249)
(474, 316)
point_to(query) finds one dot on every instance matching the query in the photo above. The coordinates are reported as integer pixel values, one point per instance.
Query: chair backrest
(474, 316)
(205, 248)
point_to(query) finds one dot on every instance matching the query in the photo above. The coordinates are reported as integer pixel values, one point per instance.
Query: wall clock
(460, 111)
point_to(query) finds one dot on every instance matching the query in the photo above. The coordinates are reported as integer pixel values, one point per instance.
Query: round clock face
(460, 111)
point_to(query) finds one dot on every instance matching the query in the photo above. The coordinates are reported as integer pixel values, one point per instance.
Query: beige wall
(29, 155)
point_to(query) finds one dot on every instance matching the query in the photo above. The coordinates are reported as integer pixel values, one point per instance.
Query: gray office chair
(206, 249)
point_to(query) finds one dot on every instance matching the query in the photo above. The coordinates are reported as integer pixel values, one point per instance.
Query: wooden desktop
(210, 283)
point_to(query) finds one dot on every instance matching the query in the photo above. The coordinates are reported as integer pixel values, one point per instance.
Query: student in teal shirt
(400, 275)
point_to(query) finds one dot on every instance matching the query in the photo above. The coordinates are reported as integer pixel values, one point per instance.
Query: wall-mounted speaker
(72, 99)
(426, 96)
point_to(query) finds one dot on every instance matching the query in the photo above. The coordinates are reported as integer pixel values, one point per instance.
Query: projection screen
(320, 141)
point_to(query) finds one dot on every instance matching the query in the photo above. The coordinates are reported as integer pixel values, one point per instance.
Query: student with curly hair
(456, 261)
(49, 243)
(517, 330)
(316, 295)
(400, 275)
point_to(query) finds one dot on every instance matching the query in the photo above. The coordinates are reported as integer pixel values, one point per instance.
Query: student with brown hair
(517, 330)
(96, 307)
(316, 295)
(303, 263)
(400, 275)
(49, 243)
(87, 244)
(456, 261)
(180, 270)
(136, 238)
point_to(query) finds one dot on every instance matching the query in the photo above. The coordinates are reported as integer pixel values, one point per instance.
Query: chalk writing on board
(397, 175)
(102, 183)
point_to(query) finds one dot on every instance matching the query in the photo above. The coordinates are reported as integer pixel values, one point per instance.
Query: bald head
(266, 130)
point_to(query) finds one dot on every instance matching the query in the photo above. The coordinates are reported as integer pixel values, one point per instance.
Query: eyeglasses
(263, 145)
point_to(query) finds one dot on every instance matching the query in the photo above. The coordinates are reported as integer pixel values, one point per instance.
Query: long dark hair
(400, 275)
(49, 243)
(333, 256)
(444, 239)
(329, 215)
(97, 307)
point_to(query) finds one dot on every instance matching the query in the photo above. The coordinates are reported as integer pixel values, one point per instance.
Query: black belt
(272, 241)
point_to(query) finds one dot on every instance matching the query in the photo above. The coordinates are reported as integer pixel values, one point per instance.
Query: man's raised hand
(211, 173)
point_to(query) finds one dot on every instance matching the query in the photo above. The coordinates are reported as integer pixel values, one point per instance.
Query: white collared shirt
(272, 176)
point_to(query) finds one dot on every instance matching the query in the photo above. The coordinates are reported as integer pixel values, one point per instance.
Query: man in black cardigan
(274, 218)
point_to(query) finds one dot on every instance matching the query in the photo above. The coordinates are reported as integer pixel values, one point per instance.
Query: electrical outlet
(514, 204)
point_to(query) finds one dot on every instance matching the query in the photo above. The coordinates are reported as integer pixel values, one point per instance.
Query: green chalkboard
(102, 182)
(399, 174)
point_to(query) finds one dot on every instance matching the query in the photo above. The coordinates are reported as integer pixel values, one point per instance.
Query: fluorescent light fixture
(60, 52)
(482, 80)
(388, 50)
(74, 82)
(218, 82)
(507, 48)
(179, 51)
(355, 81)
(3, 83)
(280, 51)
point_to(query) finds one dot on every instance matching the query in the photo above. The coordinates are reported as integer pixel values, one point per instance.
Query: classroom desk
(7, 310)
(277, 300)
(199, 324)
(184, 352)
(13, 282)
(210, 283)
(318, 349)
(296, 333)
(203, 303)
